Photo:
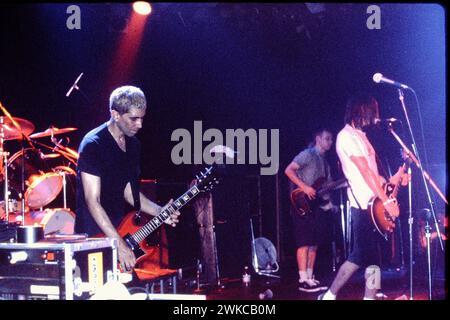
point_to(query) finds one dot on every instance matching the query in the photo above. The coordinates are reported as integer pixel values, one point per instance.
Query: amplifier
(62, 270)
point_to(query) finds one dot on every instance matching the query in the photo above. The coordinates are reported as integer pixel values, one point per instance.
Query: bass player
(307, 167)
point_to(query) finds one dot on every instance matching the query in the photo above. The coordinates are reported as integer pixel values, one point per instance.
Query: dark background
(233, 66)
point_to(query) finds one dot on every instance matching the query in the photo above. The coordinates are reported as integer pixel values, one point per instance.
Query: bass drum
(54, 221)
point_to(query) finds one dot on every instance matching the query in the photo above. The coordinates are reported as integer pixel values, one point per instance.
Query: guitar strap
(134, 183)
(357, 202)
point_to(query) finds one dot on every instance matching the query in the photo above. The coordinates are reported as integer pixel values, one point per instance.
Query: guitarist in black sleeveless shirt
(307, 167)
(108, 172)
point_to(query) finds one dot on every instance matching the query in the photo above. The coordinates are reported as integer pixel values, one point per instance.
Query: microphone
(268, 294)
(388, 121)
(378, 77)
(74, 86)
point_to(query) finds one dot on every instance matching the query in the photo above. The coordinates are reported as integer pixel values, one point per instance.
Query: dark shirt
(101, 156)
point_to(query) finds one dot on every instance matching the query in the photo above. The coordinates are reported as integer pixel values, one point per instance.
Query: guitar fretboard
(157, 221)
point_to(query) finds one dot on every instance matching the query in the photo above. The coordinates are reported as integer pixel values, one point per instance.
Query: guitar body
(131, 224)
(303, 205)
(300, 202)
(381, 219)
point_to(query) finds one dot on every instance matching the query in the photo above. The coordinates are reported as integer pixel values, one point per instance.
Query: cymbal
(11, 132)
(51, 131)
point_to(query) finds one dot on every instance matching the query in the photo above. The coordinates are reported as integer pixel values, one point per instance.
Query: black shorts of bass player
(312, 229)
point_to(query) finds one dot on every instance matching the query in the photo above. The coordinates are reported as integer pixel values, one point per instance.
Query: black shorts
(309, 229)
(363, 248)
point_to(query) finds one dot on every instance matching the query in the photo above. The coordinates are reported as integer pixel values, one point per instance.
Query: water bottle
(246, 277)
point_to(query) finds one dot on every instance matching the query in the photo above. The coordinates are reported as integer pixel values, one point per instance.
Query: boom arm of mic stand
(411, 155)
(426, 175)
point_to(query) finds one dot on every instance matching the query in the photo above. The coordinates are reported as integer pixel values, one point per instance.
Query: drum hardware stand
(4, 158)
(22, 173)
(70, 155)
(22, 195)
(52, 138)
(425, 177)
(64, 189)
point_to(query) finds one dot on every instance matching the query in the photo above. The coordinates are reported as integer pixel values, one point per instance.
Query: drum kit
(29, 181)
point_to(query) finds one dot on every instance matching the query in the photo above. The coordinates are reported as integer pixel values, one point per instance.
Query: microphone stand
(410, 230)
(341, 207)
(76, 87)
(424, 174)
(428, 237)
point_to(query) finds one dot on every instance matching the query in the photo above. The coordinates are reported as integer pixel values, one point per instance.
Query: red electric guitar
(135, 228)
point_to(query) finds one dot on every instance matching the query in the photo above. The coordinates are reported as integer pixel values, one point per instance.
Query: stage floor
(394, 286)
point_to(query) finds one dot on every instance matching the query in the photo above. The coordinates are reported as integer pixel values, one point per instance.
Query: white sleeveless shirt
(353, 142)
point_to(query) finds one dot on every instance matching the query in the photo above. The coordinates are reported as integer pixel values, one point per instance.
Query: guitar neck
(329, 186)
(157, 221)
(397, 186)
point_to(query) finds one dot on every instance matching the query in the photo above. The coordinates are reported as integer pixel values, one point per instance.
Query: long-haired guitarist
(358, 160)
(307, 167)
(108, 172)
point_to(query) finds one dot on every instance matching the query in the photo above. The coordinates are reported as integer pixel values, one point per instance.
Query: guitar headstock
(206, 180)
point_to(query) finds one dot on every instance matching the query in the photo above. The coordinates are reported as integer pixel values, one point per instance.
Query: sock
(329, 296)
(309, 271)
(303, 276)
